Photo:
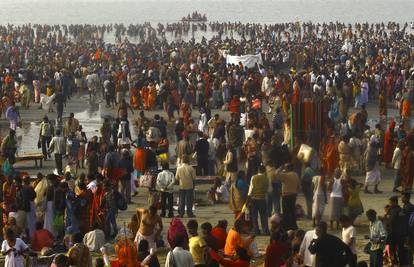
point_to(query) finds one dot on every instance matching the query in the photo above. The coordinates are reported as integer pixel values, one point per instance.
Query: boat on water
(195, 17)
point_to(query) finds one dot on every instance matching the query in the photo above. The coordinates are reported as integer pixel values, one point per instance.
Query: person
(183, 149)
(79, 254)
(306, 183)
(177, 228)
(329, 250)
(60, 260)
(45, 135)
(238, 193)
(396, 164)
(71, 125)
(307, 258)
(396, 225)
(337, 188)
(259, 185)
(126, 164)
(373, 173)
(211, 243)
(197, 245)
(349, 235)
(109, 209)
(201, 149)
(13, 248)
(231, 164)
(235, 240)
(290, 188)
(354, 203)
(388, 144)
(219, 232)
(377, 236)
(26, 215)
(277, 251)
(241, 259)
(126, 252)
(178, 256)
(94, 239)
(319, 198)
(58, 147)
(185, 176)
(165, 183)
(41, 238)
(145, 256)
(81, 136)
(150, 226)
(9, 147)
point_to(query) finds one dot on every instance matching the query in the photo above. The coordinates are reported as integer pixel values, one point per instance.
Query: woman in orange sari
(127, 253)
(405, 110)
(134, 99)
(152, 96)
(145, 96)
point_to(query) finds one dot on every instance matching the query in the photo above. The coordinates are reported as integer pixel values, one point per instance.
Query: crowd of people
(262, 157)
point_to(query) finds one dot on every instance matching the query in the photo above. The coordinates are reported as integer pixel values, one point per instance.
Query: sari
(127, 253)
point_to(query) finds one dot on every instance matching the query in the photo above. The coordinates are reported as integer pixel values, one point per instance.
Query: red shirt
(275, 253)
(42, 239)
(229, 263)
(221, 235)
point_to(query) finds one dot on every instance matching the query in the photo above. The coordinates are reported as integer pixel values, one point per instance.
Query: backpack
(121, 202)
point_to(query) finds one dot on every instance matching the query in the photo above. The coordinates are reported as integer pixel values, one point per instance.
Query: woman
(337, 196)
(319, 198)
(355, 207)
(238, 194)
(13, 248)
(177, 228)
(81, 136)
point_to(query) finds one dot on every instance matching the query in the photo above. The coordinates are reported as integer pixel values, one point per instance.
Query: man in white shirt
(94, 239)
(306, 257)
(58, 146)
(349, 234)
(178, 256)
(165, 183)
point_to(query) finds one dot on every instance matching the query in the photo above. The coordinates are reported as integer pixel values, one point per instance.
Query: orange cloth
(389, 143)
(134, 99)
(405, 112)
(145, 96)
(140, 157)
(233, 241)
(42, 239)
(127, 253)
(234, 105)
(330, 158)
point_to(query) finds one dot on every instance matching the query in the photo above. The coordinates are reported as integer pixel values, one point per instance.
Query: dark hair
(165, 165)
(153, 209)
(77, 238)
(39, 225)
(207, 227)
(222, 224)
(323, 226)
(61, 260)
(143, 246)
(344, 218)
(262, 169)
(99, 262)
(362, 264)
(371, 213)
(179, 240)
(192, 224)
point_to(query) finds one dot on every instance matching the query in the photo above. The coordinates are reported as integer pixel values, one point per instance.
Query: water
(167, 11)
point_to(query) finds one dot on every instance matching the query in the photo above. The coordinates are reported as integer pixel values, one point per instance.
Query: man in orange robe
(330, 157)
(389, 144)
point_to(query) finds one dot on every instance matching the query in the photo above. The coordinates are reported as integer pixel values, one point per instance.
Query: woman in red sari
(389, 144)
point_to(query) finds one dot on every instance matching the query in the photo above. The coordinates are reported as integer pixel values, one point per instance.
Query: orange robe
(330, 158)
(95, 211)
(405, 111)
(389, 143)
(140, 158)
(134, 100)
(152, 96)
(145, 96)
(127, 253)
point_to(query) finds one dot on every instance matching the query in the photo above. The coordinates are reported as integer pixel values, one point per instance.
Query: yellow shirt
(197, 247)
(185, 176)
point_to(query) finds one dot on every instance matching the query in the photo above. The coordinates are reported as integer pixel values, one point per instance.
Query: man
(79, 254)
(109, 209)
(290, 188)
(94, 239)
(377, 236)
(231, 164)
(211, 242)
(306, 183)
(150, 226)
(329, 249)
(125, 182)
(25, 196)
(178, 257)
(185, 176)
(306, 257)
(45, 135)
(111, 162)
(349, 235)
(251, 150)
(396, 222)
(58, 147)
(408, 209)
(197, 245)
(183, 149)
(201, 149)
(60, 103)
(41, 238)
(9, 147)
(165, 183)
(71, 126)
(259, 186)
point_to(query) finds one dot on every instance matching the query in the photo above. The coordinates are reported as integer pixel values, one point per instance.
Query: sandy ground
(90, 117)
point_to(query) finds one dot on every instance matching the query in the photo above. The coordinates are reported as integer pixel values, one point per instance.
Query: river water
(164, 11)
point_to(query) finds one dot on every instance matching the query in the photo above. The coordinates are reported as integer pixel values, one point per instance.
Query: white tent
(248, 61)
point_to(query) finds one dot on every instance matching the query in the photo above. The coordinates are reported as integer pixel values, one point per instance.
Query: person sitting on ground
(196, 243)
(41, 238)
(94, 239)
(145, 256)
(235, 239)
(240, 259)
(60, 260)
(79, 254)
(220, 233)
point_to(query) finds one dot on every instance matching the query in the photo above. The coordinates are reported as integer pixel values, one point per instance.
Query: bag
(7, 168)
(146, 180)
(58, 223)
(173, 259)
(121, 202)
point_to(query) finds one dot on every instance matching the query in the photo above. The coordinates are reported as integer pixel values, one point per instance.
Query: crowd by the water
(298, 125)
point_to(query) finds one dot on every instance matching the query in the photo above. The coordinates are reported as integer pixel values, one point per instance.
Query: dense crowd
(263, 156)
